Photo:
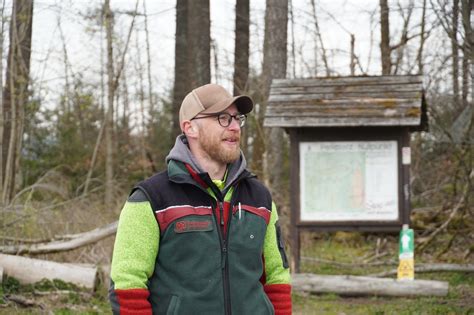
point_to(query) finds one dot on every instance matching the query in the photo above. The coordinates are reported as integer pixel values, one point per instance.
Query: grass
(352, 248)
(346, 248)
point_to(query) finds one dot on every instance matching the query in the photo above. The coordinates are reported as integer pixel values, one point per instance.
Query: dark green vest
(198, 270)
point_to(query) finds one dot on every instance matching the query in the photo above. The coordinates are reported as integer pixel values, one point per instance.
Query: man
(202, 237)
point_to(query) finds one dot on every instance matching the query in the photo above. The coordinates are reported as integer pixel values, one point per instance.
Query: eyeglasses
(225, 119)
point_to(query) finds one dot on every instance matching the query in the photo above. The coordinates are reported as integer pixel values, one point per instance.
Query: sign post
(406, 267)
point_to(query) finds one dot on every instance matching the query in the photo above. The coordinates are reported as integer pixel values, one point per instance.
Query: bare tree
(353, 56)
(148, 57)
(199, 41)
(181, 77)
(241, 54)
(404, 37)
(241, 48)
(455, 51)
(2, 121)
(385, 37)
(113, 78)
(141, 97)
(274, 66)
(419, 56)
(15, 94)
(467, 11)
(468, 6)
(109, 123)
(319, 38)
(192, 51)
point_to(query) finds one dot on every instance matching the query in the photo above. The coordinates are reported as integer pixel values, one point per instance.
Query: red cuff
(280, 296)
(134, 302)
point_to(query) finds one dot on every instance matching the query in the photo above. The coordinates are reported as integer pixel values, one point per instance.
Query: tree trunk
(148, 62)
(467, 10)
(241, 48)
(455, 53)
(274, 66)
(385, 37)
(320, 39)
(109, 120)
(141, 97)
(419, 56)
(2, 121)
(241, 56)
(353, 57)
(199, 41)
(15, 93)
(181, 63)
(360, 286)
(28, 270)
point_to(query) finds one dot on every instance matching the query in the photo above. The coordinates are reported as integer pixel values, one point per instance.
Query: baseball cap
(210, 99)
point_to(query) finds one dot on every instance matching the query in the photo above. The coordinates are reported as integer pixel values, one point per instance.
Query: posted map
(354, 180)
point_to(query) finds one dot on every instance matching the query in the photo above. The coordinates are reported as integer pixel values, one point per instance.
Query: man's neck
(216, 170)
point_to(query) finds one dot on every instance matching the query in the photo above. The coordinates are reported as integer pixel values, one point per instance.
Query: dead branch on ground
(73, 241)
(430, 268)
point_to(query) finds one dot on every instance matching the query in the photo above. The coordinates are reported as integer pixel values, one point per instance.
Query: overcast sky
(337, 20)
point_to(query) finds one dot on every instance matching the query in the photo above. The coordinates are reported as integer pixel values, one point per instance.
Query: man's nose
(234, 124)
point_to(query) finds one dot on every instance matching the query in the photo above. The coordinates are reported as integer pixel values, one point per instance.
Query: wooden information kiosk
(350, 150)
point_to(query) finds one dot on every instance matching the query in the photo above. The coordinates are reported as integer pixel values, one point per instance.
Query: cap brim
(243, 102)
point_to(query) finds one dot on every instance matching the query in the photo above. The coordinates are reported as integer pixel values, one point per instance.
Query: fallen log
(82, 239)
(430, 268)
(29, 270)
(23, 301)
(362, 286)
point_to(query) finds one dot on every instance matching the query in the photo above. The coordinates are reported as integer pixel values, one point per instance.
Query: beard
(213, 145)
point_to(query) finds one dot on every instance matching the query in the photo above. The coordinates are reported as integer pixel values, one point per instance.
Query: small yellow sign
(406, 269)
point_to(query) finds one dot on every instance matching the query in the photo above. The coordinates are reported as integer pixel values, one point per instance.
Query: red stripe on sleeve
(280, 296)
(134, 302)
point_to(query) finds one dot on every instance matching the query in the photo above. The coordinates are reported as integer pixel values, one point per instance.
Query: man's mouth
(232, 140)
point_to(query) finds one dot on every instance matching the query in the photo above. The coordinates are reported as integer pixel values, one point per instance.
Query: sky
(85, 46)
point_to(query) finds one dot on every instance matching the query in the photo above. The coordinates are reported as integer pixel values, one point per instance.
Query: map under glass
(349, 181)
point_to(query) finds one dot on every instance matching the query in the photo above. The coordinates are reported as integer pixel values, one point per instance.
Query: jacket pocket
(173, 307)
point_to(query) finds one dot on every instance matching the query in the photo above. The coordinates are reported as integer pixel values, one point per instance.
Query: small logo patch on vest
(192, 226)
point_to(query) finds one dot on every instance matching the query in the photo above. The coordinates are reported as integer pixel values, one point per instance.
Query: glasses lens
(224, 119)
(242, 119)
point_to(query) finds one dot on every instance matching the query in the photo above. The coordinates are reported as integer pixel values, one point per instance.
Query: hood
(181, 153)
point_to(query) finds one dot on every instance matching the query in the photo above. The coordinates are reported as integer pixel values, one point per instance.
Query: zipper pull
(221, 208)
(240, 211)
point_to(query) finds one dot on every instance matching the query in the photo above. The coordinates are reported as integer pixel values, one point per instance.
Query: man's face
(221, 144)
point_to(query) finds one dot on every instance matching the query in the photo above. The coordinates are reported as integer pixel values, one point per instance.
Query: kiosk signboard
(349, 181)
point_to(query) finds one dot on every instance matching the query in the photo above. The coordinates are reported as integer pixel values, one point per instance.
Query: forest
(89, 107)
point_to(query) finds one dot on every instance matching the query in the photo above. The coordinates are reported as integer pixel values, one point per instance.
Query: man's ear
(188, 129)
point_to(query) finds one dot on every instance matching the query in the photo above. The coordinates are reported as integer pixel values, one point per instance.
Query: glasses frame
(241, 118)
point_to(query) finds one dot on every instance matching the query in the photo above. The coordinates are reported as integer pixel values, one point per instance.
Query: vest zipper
(224, 264)
(225, 240)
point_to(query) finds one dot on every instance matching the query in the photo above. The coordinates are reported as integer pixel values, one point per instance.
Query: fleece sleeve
(277, 274)
(133, 260)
